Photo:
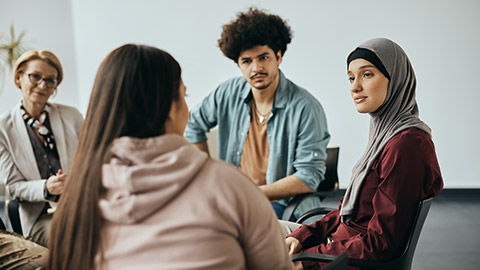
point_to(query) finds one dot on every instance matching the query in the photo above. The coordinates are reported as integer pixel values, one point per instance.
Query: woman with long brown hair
(140, 195)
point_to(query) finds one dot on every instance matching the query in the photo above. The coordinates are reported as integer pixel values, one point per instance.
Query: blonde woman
(37, 142)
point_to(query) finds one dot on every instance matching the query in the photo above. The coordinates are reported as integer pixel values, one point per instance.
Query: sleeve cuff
(308, 179)
(301, 234)
(195, 137)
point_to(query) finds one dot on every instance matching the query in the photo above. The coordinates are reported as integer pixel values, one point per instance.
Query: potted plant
(11, 47)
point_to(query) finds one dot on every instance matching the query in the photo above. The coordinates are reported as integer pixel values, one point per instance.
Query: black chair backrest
(331, 174)
(14, 216)
(420, 217)
(404, 261)
(327, 188)
(2, 225)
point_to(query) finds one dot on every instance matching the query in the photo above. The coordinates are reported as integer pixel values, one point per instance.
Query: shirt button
(315, 154)
(238, 153)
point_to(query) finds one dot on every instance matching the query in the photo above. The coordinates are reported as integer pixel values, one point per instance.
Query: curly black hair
(253, 28)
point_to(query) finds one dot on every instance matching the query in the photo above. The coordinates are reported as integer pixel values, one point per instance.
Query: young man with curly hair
(272, 129)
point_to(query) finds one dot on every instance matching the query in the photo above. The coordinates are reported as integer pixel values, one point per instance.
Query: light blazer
(18, 166)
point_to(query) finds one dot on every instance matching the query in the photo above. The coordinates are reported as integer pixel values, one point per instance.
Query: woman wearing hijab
(141, 197)
(398, 169)
(37, 142)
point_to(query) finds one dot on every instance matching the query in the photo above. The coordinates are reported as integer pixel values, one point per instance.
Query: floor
(450, 238)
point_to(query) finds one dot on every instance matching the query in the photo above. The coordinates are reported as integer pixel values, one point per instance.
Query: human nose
(42, 83)
(257, 66)
(355, 86)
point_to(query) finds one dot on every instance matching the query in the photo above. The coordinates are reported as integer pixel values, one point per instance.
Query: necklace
(261, 116)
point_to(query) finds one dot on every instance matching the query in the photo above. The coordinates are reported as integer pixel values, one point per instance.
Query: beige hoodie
(169, 206)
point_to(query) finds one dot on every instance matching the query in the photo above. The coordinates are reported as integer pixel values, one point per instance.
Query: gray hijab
(398, 112)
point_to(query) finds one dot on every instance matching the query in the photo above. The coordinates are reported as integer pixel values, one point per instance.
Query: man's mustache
(259, 73)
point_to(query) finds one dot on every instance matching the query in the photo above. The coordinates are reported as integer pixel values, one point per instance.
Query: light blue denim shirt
(296, 130)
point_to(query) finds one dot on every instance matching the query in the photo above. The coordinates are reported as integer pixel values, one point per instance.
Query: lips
(258, 78)
(359, 99)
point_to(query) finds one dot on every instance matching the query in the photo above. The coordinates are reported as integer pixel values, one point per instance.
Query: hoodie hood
(146, 174)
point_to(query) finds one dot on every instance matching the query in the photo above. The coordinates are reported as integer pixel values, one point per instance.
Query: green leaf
(11, 47)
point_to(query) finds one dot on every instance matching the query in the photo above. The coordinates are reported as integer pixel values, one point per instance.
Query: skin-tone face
(259, 66)
(35, 96)
(178, 115)
(368, 85)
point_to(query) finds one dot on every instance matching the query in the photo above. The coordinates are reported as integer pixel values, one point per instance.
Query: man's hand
(56, 183)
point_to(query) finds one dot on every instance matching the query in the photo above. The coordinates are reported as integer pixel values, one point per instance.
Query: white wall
(48, 25)
(440, 36)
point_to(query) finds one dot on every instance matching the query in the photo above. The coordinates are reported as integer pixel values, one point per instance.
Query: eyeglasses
(37, 79)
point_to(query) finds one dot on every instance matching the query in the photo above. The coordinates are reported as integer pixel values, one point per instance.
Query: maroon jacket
(406, 172)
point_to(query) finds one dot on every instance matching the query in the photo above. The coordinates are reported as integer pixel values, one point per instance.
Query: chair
(327, 188)
(14, 215)
(334, 262)
(2, 225)
(403, 262)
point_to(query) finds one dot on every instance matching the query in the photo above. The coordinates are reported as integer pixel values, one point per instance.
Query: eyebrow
(40, 73)
(367, 66)
(262, 54)
(363, 67)
(258, 56)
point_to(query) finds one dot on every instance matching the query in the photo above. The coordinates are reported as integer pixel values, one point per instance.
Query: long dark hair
(132, 94)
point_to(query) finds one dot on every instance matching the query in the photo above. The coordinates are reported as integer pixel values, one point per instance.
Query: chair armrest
(314, 212)
(339, 262)
(297, 199)
(318, 257)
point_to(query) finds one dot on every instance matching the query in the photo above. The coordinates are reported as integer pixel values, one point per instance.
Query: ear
(17, 80)
(169, 125)
(173, 110)
(279, 57)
